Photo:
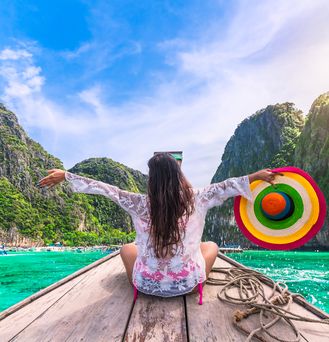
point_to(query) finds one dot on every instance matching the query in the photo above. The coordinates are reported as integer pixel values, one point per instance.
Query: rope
(251, 292)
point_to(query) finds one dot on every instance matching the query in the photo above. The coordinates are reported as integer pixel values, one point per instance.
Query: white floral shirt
(179, 274)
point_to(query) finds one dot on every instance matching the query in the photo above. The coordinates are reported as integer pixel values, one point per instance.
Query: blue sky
(122, 79)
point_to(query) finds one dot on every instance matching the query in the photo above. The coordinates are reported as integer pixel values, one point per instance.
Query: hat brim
(305, 228)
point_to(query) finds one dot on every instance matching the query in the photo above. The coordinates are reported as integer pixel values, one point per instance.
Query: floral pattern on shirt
(176, 264)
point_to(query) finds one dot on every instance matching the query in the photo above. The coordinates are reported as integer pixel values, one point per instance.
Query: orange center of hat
(273, 203)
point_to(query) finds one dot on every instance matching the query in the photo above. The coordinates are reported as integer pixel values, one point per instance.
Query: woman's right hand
(266, 175)
(55, 176)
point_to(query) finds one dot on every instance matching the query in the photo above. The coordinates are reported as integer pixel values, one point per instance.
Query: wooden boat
(96, 304)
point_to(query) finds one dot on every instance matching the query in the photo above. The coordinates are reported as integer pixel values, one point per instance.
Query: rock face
(312, 154)
(266, 139)
(38, 215)
(111, 172)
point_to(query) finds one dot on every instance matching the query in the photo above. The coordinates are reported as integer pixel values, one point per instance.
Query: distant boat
(2, 250)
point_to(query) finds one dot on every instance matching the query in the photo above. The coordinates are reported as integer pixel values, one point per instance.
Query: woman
(167, 258)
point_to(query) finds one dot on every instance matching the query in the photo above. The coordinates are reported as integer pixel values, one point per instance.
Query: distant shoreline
(60, 248)
(116, 247)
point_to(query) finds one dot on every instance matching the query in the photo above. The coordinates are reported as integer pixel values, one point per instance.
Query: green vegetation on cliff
(266, 139)
(106, 170)
(30, 214)
(312, 153)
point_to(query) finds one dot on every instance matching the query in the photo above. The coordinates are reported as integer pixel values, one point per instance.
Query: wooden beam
(214, 319)
(96, 309)
(157, 319)
(50, 288)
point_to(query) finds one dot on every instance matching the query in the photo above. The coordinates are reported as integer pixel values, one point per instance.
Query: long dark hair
(171, 202)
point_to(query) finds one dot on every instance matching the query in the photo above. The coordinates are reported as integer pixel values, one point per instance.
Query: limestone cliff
(312, 153)
(36, 216)
(266, 139)
(111, 172)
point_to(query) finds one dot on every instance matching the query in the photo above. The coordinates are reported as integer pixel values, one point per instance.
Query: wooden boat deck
(96, 304)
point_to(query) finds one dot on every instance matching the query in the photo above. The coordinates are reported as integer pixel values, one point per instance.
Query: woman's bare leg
(209, 251)
(128, 253)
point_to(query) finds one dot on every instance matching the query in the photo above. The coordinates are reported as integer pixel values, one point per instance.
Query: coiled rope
(251, 292)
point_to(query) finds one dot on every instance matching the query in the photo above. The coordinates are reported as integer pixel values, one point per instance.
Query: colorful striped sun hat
(282, 216)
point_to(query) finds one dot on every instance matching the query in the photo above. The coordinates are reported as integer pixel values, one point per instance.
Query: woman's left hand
(266, 175)
(55, 176)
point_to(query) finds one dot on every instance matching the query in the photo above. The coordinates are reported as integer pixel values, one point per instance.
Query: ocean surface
(304, 272)
(24, 273)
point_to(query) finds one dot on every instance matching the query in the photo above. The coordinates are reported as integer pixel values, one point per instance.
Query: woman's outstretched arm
(129, 201)
(216, 193)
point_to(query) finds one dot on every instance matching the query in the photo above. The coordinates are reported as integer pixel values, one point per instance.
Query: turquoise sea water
(24, 273)
(304, 272)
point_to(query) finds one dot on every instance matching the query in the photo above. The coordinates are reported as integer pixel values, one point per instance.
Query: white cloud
(22, 78)
(270, 52)
(10, 54)
(83, 48)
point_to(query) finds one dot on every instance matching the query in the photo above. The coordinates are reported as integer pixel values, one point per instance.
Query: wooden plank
(18, 316)
(51, 287)
(211, 321)
(96, 309)
(214, 319)
(157, 319)
(299, 300)
(311, 331)
(18, 320)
